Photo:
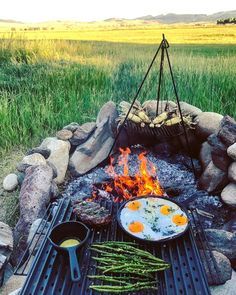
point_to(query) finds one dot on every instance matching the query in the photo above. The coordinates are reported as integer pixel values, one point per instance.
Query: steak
(92, 213)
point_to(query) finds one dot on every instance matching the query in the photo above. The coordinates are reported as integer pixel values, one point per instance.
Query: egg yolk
(179, 219)
(136, 227)
(165, 210)
(134, 205)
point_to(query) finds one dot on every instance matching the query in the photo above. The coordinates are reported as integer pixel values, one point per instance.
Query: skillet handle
(74, 265)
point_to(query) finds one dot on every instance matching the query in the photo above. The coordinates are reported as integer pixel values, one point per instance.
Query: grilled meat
(92, 213)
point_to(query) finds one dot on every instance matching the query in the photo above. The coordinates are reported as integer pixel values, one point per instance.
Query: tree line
(231, 20)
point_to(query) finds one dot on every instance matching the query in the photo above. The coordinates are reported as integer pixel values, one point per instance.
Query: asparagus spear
(127, 288)
(121, 258)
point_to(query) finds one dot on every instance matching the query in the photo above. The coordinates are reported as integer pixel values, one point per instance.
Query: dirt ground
(9, 210)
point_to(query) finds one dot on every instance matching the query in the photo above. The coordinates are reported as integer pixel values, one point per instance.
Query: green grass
(49, 83)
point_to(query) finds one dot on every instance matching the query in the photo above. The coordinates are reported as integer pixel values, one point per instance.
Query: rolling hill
(171, 18)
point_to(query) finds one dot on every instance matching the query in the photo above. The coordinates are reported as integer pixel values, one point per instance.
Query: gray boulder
(231, 224)
(219, 154)
(232, 172)
(54, 191)
(59, 156)
(3, 263)
(227, 289)
(16, 292)
(44, 152)
(95, 150)
(6, 239)
(82, 133)
(221, 267)
(31, 160)
(6, 246)
(109, 111)
(208, 123)
(10, 182)
(213, 179)
(64, 134)
(188, 109)
(54, 169)
(34, 198)
(222, 241)
(231, 151)
(228, 195)
(205, 155)
(13, 285)
(151, 105)
(72, 126)
(227, 130)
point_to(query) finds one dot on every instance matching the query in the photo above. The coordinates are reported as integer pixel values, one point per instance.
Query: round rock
(59, 156)
(82, 133)
(72, 126)
(221, 264)
(208, 123)
(232, 172)
(188, 109)
(64, 134)
(44, 152)
(31, 160)
(213, 179)
(205, 155)
(150, 106)
(231, 151)
(222, 241)
(228, 195)
(10, 182)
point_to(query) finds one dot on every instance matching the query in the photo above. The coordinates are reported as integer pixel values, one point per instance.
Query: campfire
(123, 186)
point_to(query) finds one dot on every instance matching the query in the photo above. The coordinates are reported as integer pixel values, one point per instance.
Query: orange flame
(145, 182)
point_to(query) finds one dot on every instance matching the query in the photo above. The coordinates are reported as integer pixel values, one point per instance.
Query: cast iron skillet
(69, 230)
(146, 240)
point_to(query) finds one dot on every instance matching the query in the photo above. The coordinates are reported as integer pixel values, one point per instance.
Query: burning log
(124, 186)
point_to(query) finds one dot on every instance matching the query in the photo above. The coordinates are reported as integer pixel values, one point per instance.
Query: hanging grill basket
(157, 131)
(142, 122)
(147, 133)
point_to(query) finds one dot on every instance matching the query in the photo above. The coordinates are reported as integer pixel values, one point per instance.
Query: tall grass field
(51, 76)
(47, 83)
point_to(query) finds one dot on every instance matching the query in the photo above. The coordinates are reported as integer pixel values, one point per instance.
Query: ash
(175, 175)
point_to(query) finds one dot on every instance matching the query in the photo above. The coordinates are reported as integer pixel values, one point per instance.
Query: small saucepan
(67, 238)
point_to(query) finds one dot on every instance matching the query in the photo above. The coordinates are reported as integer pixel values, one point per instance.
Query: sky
(90, 10)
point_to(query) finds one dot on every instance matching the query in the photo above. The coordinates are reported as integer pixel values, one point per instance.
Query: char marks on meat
(92, 213)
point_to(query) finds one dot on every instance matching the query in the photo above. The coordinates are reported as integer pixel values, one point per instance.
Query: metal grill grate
(49, 273)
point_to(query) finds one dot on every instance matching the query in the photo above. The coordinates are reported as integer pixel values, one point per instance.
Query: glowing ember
(145, 182)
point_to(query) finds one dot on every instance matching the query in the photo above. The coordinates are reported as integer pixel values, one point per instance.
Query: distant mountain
(10, 21)
(171, 18)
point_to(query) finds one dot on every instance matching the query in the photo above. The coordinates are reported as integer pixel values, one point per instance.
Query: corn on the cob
(142, 115)
(173, 121)
(134, 118)
(188, 121)
(163, 116)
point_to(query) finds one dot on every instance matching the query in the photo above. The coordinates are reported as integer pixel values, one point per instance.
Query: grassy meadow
(45, 84)
(49, 78)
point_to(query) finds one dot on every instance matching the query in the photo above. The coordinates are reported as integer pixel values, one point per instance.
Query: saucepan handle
(74, 265)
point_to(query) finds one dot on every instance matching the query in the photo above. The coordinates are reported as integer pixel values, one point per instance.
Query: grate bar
(55, 220)
(50, 273)
(24, 259)
(206, 248)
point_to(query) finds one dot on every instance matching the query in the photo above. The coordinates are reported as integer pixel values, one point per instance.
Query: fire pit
(123, 186)
(116, 158)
